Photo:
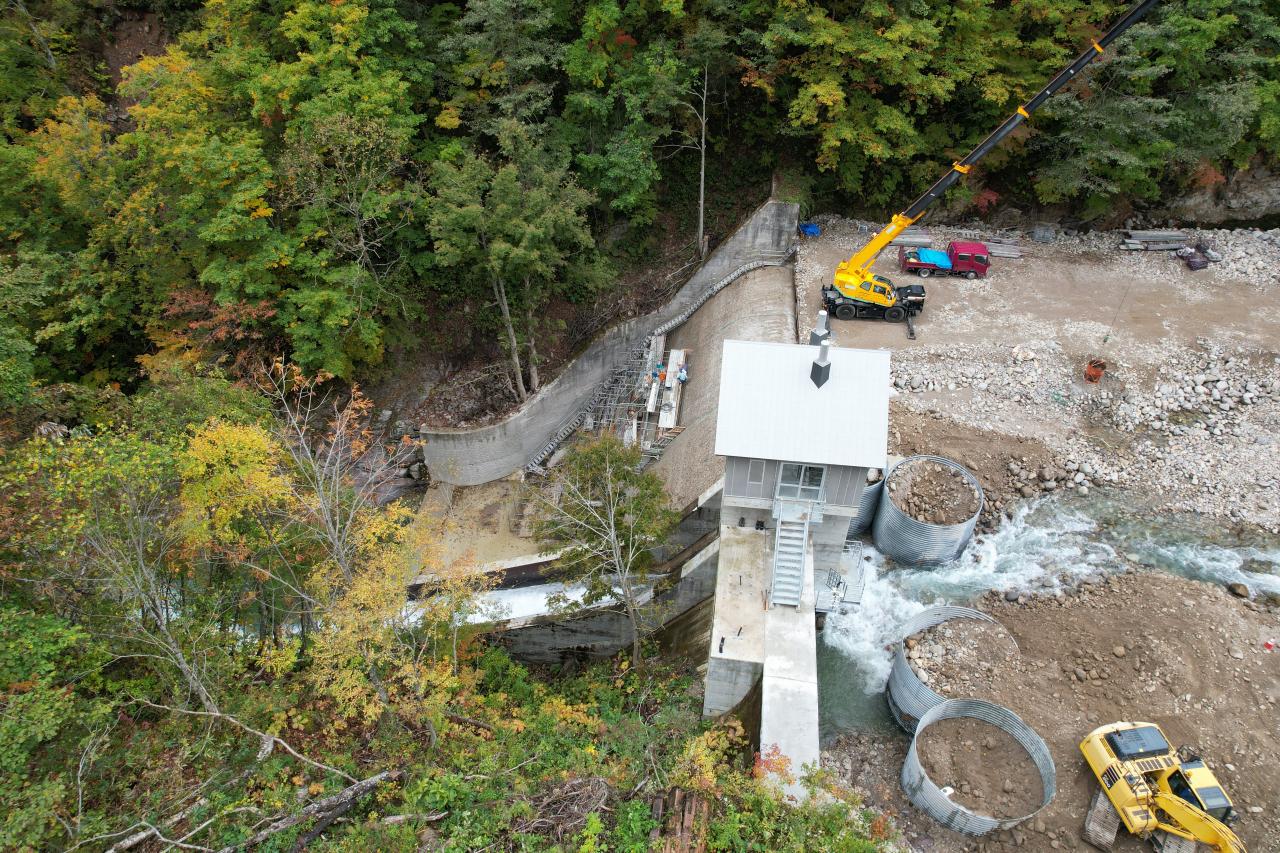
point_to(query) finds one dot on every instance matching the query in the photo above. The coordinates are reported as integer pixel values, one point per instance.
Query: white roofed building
(785, 437)
(799, 427)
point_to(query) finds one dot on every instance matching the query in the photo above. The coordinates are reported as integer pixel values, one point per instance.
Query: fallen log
(326, 810)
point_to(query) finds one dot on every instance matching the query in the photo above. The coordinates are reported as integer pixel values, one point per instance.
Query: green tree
(49, 722)
(517, 230)
(1190, 91)
(503, 60)
(608, 517)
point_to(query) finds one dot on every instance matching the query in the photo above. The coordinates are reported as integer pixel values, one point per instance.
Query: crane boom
(851, 274)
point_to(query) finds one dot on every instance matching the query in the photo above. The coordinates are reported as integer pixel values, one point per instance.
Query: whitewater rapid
(1047, 545)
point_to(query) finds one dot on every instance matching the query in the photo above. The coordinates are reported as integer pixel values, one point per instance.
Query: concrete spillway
(760, 306)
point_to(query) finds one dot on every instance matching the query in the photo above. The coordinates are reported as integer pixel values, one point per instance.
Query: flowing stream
(1048, 544)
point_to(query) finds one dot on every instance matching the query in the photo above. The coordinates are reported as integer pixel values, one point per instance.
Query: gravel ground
(1188, 410)
(1137, 646)
(933, 493)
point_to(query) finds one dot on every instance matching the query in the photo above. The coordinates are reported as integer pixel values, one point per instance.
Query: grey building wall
(737, 478)
(842, 484)
(471, 457)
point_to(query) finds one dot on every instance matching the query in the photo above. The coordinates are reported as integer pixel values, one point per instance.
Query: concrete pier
(789, 699)
(736, 661)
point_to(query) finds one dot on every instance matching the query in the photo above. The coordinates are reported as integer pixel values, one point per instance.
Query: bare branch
(263, 736)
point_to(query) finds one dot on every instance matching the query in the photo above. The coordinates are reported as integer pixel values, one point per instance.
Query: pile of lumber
(1154, 241)
(1003, 245)
(912, 236)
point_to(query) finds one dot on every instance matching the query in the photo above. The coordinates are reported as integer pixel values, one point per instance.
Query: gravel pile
(988, 771)
(933, 493)
(1197, 428)
(959, 657)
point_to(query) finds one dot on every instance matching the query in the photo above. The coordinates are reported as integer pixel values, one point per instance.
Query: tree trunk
(702, 170)
(533, 350)
(500, 292)
(629, 600)
(320, 808)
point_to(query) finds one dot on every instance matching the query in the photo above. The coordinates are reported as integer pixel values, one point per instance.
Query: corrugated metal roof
(769, 408)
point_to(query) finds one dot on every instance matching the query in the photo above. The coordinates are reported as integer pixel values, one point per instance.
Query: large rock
(1249, 195)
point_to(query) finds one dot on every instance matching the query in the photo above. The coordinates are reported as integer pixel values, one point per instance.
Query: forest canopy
(284, 178)
(219, 220)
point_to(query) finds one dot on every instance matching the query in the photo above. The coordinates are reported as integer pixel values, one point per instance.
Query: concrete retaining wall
(605, 632)
(471, 457)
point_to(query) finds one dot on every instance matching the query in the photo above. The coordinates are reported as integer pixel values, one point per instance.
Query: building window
(755, 472)
(801, 482)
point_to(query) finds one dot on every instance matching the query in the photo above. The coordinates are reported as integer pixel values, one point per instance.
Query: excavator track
(1167, 842)
(1102, 823)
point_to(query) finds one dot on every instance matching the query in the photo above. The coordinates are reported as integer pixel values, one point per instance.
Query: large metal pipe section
(906, 540)
(909, 697)
(867, 504)
(925, 794)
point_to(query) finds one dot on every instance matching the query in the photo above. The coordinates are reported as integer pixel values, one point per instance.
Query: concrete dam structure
(474, 456)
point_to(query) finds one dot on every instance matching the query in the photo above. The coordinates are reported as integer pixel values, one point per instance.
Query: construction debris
(1154, 241)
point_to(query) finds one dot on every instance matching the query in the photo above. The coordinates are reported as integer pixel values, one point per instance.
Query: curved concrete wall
(471, 457)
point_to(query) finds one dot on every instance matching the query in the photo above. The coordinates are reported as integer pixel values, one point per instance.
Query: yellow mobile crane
(1170, 797)
(856, 292)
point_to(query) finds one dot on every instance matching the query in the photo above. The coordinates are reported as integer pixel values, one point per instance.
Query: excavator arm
(850, 274)
(1196, 824)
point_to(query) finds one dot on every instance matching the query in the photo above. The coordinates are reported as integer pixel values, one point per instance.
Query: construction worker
(683, 375)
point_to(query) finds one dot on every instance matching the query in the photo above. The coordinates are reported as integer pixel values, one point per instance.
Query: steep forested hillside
(210, 211)
(327, 179)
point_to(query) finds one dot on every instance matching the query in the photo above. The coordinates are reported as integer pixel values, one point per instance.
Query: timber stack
(1154, 241)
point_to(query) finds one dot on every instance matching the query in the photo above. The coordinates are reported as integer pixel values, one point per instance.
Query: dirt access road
(1075, 293)
(1005, 356)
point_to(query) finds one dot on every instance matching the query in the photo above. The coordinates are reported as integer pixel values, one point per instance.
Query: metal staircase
(789, 542)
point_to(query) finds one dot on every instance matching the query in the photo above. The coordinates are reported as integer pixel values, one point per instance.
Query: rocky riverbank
(1197, 432)
(1188, 656)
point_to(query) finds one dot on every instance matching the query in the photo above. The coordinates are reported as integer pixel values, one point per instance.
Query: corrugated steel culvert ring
(928, 797)
(905, 540)
(909, 697)
(867, 504)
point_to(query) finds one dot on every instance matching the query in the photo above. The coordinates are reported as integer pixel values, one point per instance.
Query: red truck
(961, 258)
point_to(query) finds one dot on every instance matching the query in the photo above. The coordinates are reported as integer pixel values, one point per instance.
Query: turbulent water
(1046, 545)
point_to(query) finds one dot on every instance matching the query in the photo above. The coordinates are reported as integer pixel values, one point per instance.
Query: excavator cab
(1196, 784)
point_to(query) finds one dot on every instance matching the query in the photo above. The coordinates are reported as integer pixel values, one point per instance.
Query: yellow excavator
(856, 292)
(1167, 796)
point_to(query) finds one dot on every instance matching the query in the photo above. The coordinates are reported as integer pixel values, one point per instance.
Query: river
(1048, 544)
